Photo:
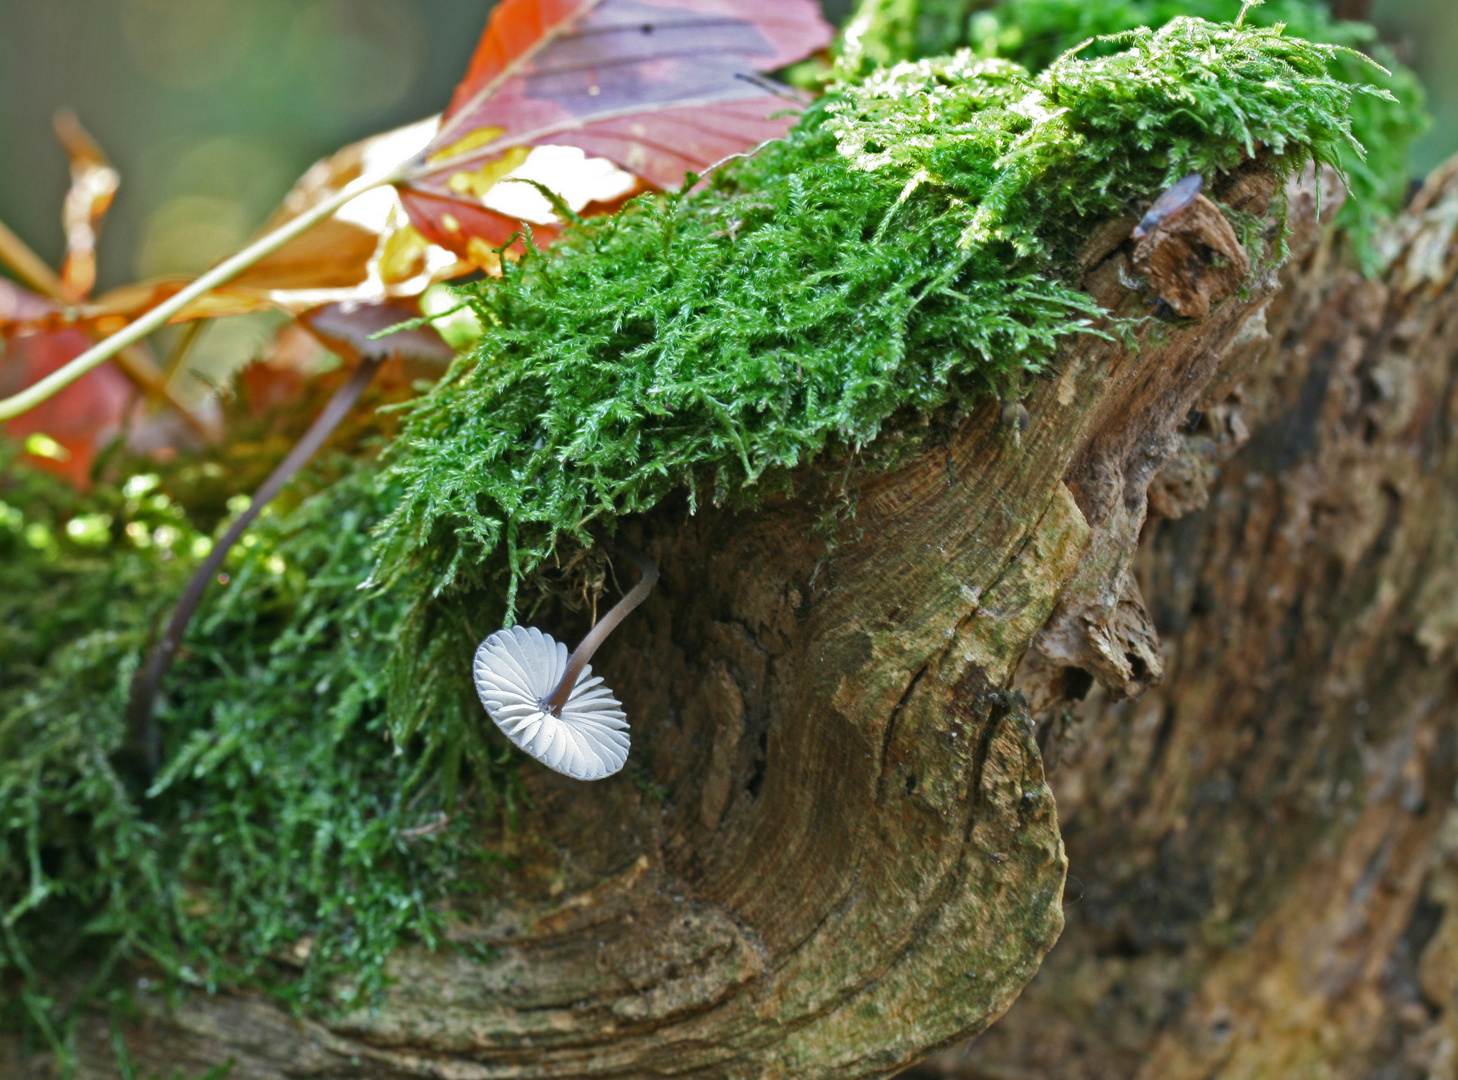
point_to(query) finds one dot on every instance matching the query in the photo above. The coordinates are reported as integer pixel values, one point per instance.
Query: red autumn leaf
(656, 87)
(659, 87)
(350, 329)
(81, 419)
(41, 331)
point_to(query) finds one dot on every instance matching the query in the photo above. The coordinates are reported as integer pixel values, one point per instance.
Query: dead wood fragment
(1193, 260)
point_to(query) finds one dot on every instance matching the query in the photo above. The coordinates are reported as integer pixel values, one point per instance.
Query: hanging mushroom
(549, 703)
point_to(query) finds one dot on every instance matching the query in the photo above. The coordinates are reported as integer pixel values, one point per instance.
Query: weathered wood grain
(1266, 844)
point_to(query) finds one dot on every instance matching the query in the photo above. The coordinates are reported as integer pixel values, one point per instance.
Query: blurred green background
(1424, 34)
(211, 108)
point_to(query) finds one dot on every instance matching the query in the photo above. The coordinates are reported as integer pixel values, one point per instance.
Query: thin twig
(136, 365)
(440, 824)
(184, 345)
(29, 267)
(141, 745)
(225, 271)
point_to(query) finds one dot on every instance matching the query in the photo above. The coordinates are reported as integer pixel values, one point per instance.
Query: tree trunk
(841, 853)
(1267, 845)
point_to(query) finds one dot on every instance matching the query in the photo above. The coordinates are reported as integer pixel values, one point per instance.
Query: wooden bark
(858, 860)
(1266, 846)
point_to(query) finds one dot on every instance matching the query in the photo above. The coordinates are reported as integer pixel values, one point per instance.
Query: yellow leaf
(479, 181)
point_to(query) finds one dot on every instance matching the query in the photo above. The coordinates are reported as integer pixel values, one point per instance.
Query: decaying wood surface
(1266, 846)
(840, 854)
(1192, 258)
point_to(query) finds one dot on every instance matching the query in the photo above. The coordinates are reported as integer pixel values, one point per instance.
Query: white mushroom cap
(516, 670)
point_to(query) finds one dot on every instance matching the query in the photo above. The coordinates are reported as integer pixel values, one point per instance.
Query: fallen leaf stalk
(157, 317)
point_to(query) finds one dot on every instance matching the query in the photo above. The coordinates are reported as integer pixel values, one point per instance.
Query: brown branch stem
(140, 743)
(29, 267)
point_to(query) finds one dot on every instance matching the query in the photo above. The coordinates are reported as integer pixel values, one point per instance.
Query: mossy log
(842, 854)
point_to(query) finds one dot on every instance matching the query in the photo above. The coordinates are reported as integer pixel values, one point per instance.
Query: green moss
(274, 848)
(1034, 33)
(903, 248)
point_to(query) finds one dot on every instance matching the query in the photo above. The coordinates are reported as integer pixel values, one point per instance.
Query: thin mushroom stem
(147, 679)
(155, 318)
(606, 625)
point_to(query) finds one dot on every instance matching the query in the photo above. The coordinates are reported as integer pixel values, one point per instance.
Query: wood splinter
(1188, 251)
